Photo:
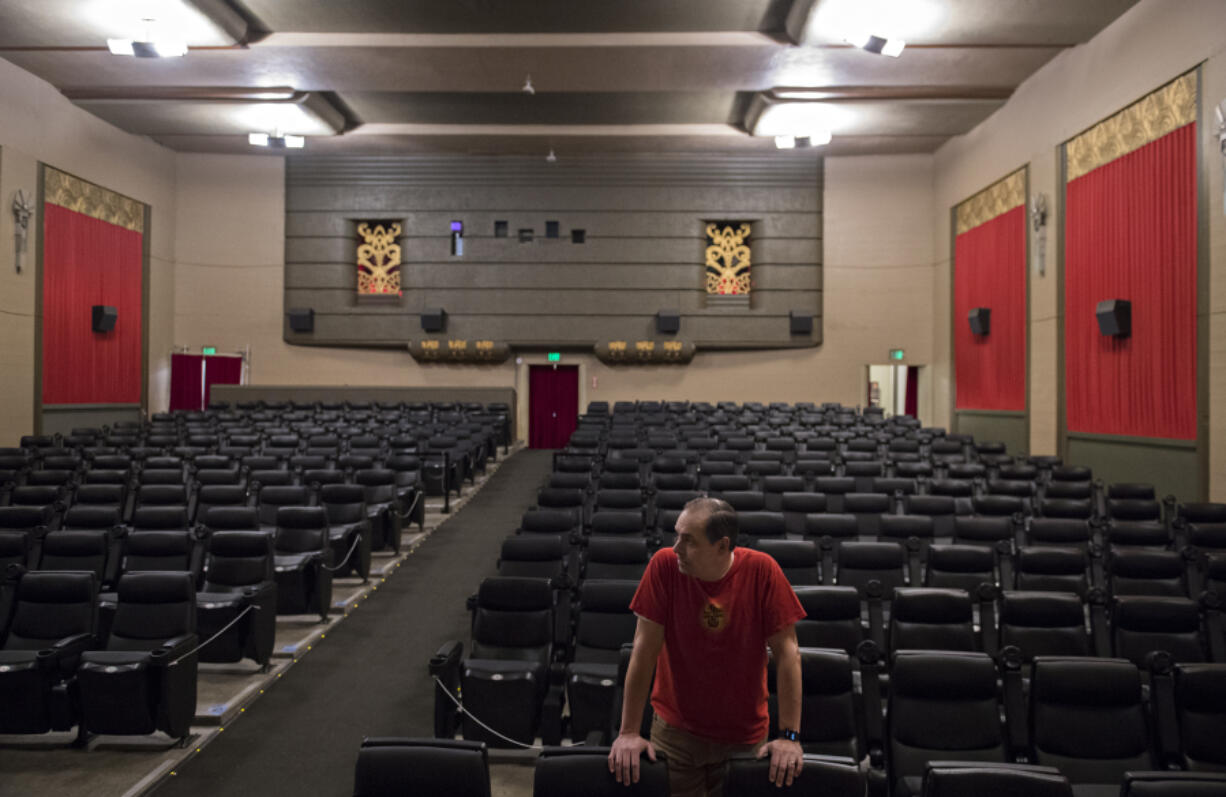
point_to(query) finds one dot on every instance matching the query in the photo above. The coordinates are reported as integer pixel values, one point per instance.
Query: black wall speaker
(1114, 317)
(301, 319)
(104, 318)
(800, 323)
(981, 320)
(668, 322)
(433, 319)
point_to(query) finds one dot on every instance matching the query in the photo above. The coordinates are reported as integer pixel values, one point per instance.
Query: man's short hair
(720, 519)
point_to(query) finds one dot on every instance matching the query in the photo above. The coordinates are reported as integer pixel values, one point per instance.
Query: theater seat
(832, 618)
(584, 772)
(968, 779)
(145, 678)
(506, 678)
(925, 618)
(1173, 784)
(1200, 713)
(603, 624)
(391, 767)
(239, 577)
(748, 776)
(1088, 719)
(53, 623)
(303, 561)
(1043, 624)
(942, 706)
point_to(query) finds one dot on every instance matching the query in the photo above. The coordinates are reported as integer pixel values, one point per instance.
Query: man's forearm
(788, 679)
(634, 693)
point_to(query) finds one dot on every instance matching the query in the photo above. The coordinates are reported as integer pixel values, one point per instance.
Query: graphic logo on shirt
(714, 618)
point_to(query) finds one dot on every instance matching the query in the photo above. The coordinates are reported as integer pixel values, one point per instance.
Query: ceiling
(421, 76)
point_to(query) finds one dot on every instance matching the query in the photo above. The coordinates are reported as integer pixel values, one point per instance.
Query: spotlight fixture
(551, 158)
(785, 142)
(816, 139)
(277, 141)
(150, 47)
(528, 88)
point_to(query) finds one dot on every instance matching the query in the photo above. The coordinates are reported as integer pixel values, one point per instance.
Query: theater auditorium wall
(230, 284)
(38, 125)
(1147, 47)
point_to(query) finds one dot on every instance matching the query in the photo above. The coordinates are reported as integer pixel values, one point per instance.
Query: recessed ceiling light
(277, 141)
(785, 142)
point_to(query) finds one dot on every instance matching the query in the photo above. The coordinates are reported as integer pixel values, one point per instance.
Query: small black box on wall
(301, 319)
(800, 323)
(103, 318)
(668, 322)
(1114, 317)
(433, 319)
(981, 320)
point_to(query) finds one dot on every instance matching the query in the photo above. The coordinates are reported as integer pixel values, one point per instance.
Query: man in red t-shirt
(707, 611)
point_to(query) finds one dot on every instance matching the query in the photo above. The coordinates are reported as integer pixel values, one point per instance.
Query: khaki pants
(695, 765)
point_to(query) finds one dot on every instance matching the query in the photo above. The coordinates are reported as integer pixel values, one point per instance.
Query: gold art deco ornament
(999, 198)
(645, 352)
(457, 350)
(378, 260)
(728, 258)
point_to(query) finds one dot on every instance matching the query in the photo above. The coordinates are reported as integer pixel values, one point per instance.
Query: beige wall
(1149, 45)
(229, 294)
(38, 124)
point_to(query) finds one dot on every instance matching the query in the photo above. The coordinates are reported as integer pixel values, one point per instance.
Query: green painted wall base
(1171, 466)
(1009, 428)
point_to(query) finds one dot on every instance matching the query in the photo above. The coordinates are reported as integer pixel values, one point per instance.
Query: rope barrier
(357, 539)
(463, 710)
(224, 628)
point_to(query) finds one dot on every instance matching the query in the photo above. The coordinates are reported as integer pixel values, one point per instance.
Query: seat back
(238, 559)
(49, 606)
(513, 619)
(1142, 624)
(584, 772)
(957, 779)
(862, 562)
(301, 529)
(160, 550)
(1087, 718)
(604, 621)
(830, 722)
(832, 618)
(924, 618)
(85, 549)
(826, 775)
(231, 518)
(1044, 624)
(616, 558)
(153, 607)
(942, 706)
(1200, 706)
(389, 767)
(272, 498)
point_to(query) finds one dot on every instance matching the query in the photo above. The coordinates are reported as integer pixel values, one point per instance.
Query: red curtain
(89, 262)
(990, 271)
(221, 370)
(185, 381)
(1130, 233)
(553, 405)
(912, 405)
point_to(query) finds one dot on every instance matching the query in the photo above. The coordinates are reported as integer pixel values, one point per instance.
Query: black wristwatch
(789, 734)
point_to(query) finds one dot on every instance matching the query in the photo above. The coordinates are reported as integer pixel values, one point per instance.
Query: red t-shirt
(711, 675)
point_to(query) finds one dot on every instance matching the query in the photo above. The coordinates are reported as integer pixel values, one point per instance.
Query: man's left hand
(787, 758)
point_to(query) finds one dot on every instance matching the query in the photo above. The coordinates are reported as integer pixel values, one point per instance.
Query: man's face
(696, 555)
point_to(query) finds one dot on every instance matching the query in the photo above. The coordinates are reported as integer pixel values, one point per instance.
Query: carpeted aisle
(368, 678)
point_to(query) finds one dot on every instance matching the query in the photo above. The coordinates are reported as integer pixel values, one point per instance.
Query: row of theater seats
(428, 767)
(103, 617)
(547, 633)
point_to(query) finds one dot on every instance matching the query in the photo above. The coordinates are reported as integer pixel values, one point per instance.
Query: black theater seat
(584, 772)
(967, 779)
(924, 618)
(390, 767)
(303, 561)
(53, 622)
(239, 580)
(1173, 784)
(603, 623)
(144, 680)
(748, 776)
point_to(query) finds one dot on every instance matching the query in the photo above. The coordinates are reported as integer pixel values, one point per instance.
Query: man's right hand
(624, 757)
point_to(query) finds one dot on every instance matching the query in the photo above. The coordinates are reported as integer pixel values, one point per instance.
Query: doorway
(893, 388)
(553, 404)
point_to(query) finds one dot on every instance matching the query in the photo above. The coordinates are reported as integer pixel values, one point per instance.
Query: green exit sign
(208, 350)
(897, 354)
(555, 356)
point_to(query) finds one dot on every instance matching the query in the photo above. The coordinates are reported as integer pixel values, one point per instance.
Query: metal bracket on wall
(22, 210)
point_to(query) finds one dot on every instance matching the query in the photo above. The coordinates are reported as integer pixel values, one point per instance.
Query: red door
(553, 404)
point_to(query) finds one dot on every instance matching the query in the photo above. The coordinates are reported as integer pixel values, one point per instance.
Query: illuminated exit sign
(208, 350)
(555, 356)
(897, 354)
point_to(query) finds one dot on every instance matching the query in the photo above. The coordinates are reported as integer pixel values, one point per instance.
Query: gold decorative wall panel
(459, 351)
(378, 259)
(1000, 197)
(645, 352)
(728, 258)
(1148, 119)
(61, 188)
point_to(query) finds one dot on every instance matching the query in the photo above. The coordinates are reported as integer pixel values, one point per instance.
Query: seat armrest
(257, 592)
(173, 648)
(64, 654)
